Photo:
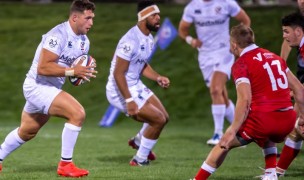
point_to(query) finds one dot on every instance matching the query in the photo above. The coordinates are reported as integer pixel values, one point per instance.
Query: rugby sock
(204, 172)
(69, 137)
(218, 113)
(140, 134)
(290, 151)
(270, 155)
(229, 113)
(11, 143)
(145, 147)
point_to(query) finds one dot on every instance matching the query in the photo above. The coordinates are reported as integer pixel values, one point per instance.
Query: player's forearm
(241, 112)
(122, 85)
(149, 73)
(51, 69)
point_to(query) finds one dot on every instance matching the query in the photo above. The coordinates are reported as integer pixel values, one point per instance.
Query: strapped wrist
(189, 39)
(69, 72)
(129, 100)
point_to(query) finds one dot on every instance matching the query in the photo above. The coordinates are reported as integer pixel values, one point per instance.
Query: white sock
(145, 147)
(218, 113)
(229, 113)
(10, 144)
(140, 134)
(69, 137)
(208, 168)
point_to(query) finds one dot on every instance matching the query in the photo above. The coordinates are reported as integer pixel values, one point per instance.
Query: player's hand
(132, 108)
(85, 72)
(300, 125)
(196, 43)
(163, 81)
(227, 138)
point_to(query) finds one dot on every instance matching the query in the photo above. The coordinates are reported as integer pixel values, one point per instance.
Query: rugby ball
(87, 61)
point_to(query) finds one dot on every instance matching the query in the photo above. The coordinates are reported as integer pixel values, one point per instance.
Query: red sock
(202, 174)
(270, 161)
(287, 156)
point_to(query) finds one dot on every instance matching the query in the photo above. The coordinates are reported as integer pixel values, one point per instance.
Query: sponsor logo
(218, 10)
(197, 11)
(140, 61)
(210, 23)
(142, 47)
(67, 59)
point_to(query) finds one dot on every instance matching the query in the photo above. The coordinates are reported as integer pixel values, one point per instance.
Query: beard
(151, 27)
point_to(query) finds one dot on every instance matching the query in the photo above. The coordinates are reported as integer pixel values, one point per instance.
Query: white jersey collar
(249, 48)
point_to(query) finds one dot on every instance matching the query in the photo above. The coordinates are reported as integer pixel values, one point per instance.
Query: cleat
(132, 144)
(214, 140)
(134, 162)
(268, 175)
(0, 167)
(68, 169)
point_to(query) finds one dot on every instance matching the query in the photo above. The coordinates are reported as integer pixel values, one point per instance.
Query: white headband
(148, 11)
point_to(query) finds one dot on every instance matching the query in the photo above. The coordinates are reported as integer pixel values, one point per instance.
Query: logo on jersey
(197, 11)
(52, 41)
(82, 45)
(70, 44)
(68, 60)
(268, 55)
(258, 57)
(142, 47)
(126, 48)
(140, 61)
(218, 10)
(210, 23)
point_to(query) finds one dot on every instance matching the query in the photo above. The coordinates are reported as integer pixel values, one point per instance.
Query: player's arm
(243, 18)
(285, 50)
(149, 73)
(183, 32)
(48, 66)
(297, 89)
(241, 111)
(120, 70)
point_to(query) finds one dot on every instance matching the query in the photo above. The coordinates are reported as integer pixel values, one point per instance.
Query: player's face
(233, 48)
(290, 36)
(84, 21)
(301, 6)
(153, 22)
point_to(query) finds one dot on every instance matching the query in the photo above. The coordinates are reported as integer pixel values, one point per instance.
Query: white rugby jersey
(135, 47)
(62, 41)
(211, 20)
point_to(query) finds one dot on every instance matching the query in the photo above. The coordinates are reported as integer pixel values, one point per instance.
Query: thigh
(66, 106)
(157, 103)
(30, 124)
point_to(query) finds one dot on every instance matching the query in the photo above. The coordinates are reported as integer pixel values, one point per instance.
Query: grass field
(104, 151)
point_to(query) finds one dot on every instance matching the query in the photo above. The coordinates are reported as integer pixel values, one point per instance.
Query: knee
(27, 135)
(78, 117)
(216, 90)
(162, 119)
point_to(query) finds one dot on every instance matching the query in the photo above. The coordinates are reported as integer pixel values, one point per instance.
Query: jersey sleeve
(53, 43)
(233, 8)
(240, 72)
(187, 15)
(126, 49)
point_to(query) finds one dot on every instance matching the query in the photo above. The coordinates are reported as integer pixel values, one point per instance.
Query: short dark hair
(142, 4)
(295, 19)
(243, 35)
(81, 6)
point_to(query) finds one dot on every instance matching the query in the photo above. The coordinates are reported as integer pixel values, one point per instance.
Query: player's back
(266, 73)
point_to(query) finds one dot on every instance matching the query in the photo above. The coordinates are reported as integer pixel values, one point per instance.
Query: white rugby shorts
(39, 97)
(220, 60)
(139, 92)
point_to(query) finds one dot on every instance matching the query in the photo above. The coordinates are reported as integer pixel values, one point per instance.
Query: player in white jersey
(126, 91)
(42, 86)
(211, 21)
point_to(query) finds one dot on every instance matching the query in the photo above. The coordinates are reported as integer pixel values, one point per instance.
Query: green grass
(104, 151)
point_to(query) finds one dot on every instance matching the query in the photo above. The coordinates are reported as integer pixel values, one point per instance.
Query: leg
(230, 107)
(29, 127)
(217, 92)
(214, 160)
(154, 114)
(290, 151)
(64, 105)
(270, 155)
